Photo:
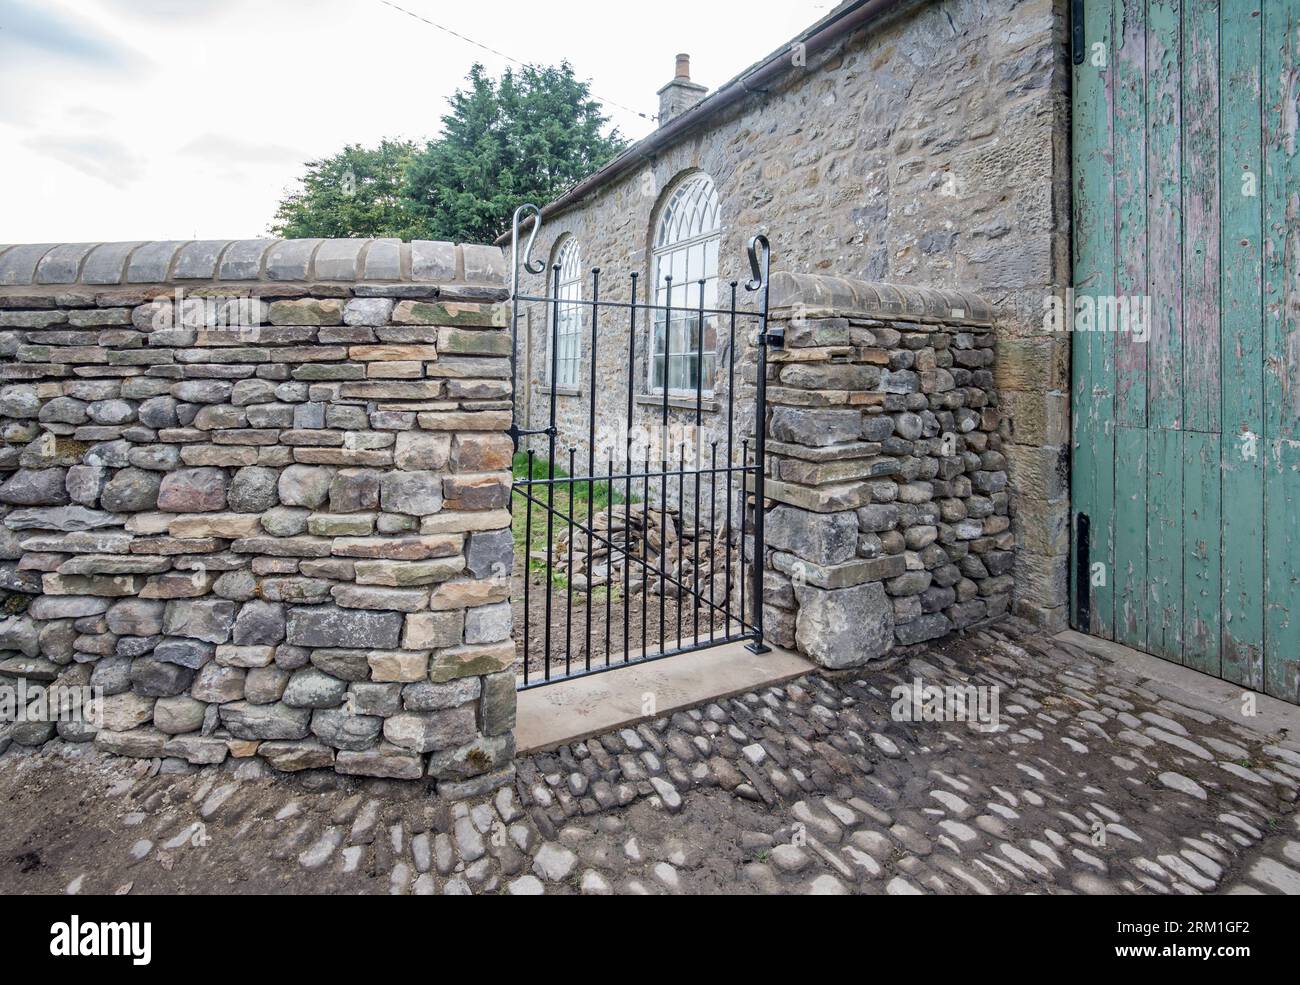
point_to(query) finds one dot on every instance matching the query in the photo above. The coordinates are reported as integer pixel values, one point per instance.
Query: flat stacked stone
(256, 491)
(885, 462)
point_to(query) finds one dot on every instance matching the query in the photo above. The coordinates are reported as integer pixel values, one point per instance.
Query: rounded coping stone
(815, 294)
(383, 264)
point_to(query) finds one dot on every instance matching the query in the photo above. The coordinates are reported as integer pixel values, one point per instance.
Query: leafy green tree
(357, 192)
(523, 138)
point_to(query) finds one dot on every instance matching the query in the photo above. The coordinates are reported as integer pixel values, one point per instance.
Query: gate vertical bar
(713, 538)
(760, 269)
(609, 556)
(591, 465)
(572, 528)
(528, 540)
(731, 455)
(627, 494)
(663, 441)
(680, 586)
(532, 267)
(699, 429)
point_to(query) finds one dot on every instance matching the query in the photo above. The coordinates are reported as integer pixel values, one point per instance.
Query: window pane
(679, 277)
(563, 341)
(686, 248)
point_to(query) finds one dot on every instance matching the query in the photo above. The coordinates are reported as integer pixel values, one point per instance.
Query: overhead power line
(502, 54)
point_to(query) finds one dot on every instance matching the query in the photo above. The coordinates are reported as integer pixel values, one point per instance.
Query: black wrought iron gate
(654, 546)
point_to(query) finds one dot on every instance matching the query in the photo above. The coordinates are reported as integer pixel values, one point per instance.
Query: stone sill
(560, 391)
(676, 403)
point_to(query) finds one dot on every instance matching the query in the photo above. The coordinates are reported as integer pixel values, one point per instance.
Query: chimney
(681, 93)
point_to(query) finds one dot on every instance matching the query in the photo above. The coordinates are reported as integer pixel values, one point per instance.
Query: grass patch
(569, 500)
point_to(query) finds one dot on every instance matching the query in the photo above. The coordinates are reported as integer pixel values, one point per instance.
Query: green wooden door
(1186, 344)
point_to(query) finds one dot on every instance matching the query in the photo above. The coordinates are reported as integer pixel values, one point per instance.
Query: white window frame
(567, 315)
(698, 233)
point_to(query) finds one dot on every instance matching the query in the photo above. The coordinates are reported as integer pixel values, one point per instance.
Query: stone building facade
(926, 148)
(255, 496)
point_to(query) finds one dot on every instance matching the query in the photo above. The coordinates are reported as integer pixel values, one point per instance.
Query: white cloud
(152, 9)
(31, 29)
(239, 150)
(104, 158)
(183, 118)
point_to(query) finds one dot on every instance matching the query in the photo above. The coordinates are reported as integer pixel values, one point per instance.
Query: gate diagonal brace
(645, 565)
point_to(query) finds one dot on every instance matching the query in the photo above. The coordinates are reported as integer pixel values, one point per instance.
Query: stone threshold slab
(573, 710)
(1194, 689)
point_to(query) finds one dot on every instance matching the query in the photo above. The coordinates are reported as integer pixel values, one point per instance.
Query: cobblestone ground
(1094, 783)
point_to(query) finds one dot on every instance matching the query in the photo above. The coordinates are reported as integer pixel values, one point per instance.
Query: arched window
(566, 333)
(686, 248)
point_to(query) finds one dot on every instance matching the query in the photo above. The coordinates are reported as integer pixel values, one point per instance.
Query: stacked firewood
(655, 541)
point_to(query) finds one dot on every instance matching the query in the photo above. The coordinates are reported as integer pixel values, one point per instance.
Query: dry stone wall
(885, 461)
(256, 494)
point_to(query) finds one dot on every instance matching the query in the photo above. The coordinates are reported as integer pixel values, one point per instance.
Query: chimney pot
(680, 94)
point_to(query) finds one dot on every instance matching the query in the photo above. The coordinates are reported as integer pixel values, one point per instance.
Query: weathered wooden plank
(1131, 536)
(1102, 350)
(1282, 570)
(1241, 347)
(1281, 286)
(1200, 157)
(1130, 209)
(1202, 528)
(1281, 202)
(1165, 543)
(1242, 569)
(1165, 214)
(1092, 477)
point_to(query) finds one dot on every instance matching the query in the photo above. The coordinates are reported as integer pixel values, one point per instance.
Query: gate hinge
(1078, 41)
(516, 432)
(774, 338)
(1083, 571)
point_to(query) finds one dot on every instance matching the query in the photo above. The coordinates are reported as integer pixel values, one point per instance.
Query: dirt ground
(117, 828)
(569, 612)
(85, 823)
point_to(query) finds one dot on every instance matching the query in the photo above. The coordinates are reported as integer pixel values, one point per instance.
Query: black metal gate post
(532, 267)
(760, 269)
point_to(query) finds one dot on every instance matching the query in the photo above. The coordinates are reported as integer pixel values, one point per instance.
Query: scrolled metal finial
(530, 265)
(757, 267)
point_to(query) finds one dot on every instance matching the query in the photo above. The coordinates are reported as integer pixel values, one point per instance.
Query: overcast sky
(180, 119)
